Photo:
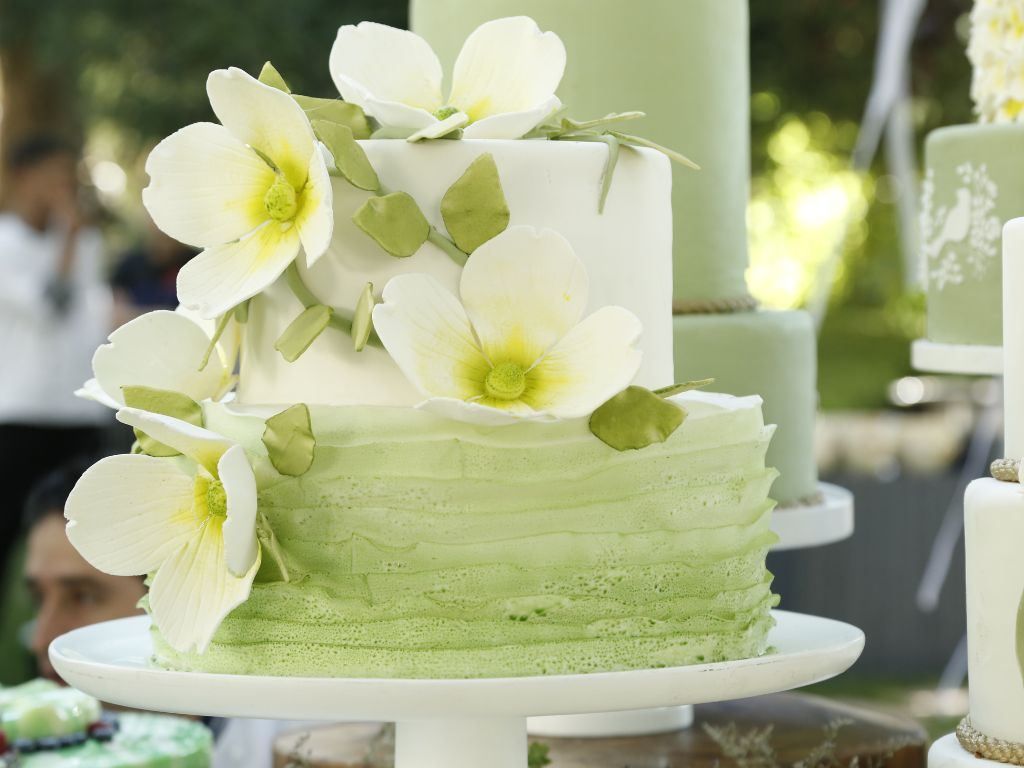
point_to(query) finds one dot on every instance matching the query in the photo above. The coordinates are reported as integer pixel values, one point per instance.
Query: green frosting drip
(423, 547)
(505, 381)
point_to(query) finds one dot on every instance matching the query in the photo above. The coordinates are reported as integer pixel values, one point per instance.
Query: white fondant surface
(627, 251)
(947, 753)
(994, 529)
(1013, 333)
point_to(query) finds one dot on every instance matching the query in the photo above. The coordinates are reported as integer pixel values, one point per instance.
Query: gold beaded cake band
(988, 747)
(715, 306)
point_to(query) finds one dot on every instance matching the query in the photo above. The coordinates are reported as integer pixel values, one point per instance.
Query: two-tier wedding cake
(417, 416)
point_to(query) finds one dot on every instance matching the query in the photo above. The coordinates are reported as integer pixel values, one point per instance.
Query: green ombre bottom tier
(422, 547)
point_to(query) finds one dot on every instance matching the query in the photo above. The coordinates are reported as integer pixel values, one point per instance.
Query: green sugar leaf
(349, 158)
(635, 418)
(270, 76)
(362, 320)
(222, 324)
(671, 154)
(474, 207)
(395, 221)
(167, 403)
(336, 111)
(571, 126)
(289, 440)
(685, 386)
(302, 332)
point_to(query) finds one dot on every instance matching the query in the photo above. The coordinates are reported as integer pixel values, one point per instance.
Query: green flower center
(445, 112)
(281, 201)
(506, 381)
(216, 499)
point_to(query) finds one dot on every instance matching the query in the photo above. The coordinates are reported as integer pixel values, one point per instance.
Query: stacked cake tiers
(974, 183)
(453, 445)
(686, 65)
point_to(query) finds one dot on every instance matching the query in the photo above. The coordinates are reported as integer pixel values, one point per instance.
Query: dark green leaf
(349, 158)
(302, 332)
(635, 418)
(474, 207)
(395, 221)
(289, 440)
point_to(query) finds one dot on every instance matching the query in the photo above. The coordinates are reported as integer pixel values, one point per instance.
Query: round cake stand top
(814, 525)
(967, 359)
(947, 753)
(445, 723)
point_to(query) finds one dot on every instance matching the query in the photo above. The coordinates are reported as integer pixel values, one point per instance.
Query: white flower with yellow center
(191, 522)
(503, 84)
(250, 191)
(515, 347)
(163, 350)
(996, 51)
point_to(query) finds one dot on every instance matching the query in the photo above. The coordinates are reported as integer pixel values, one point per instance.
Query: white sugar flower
(515, 347)
(250, 191)
(503, 84)
(189, 521)
(163, 350)
(996, 51)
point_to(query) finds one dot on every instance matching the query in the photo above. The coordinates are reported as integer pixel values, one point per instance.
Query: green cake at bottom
(418, 546)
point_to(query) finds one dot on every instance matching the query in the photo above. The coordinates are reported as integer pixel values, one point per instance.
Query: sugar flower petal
(316, 219)
(228, 345)
(507, 65)
(91, 390)
(206, 187)
(594, 361)
(266, 119)
(240, 545)
(512, 125)
(440, 128)
(428, 335)
(201, 445)
(373, 64)
(160, 349)
(128, 514)
(223, 276)
(523, 290)
(193, 590)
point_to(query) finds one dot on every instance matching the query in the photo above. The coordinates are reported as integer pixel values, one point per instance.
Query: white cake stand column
(497, 742)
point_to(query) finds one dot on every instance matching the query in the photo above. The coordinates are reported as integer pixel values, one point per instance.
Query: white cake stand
(947, 753)
(445, 723)
(814, 525)
(968, 359)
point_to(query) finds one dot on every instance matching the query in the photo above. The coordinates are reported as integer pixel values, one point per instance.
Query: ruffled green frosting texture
(422, 547)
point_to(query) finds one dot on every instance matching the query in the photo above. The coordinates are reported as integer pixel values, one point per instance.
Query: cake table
(446, 723)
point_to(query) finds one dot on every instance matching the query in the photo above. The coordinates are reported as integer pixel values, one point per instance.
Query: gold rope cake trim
(980, 745)
(1007, 470)
(743, 303)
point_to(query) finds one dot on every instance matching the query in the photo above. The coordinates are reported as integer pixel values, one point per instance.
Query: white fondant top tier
(627, 251)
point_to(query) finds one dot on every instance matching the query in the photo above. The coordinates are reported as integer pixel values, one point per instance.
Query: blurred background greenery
(117, 75)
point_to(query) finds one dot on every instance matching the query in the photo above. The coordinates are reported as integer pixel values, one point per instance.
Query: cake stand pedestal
(445, 723)
(947, 753)
(968, 359)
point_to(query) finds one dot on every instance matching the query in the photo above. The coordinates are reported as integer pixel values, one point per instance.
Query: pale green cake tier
(683, 62)
(772, 354)
(423, 547)
(143, 741)
(974, 183)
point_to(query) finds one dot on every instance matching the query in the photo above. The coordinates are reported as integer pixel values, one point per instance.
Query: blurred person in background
(55, 309)
(68, 593)
(146, 277)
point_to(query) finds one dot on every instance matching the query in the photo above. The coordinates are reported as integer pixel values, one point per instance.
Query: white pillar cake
(686, 65)
(974, 183)
(453, 447)
(994, 527)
